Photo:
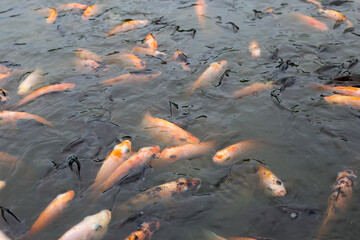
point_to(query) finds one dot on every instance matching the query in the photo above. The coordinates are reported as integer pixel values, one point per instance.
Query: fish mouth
(193, 184)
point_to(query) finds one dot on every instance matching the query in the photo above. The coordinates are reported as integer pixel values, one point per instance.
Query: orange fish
(150, 41)
(3, 95)
(120, 154)
(186, 151)
(126, 59)
(87, 54)
(163, 192)
(45, 90)
(312, 22)
(200, 9)
(71, 6)
(271, 184)
(340, 197)
(210, 75)
(10, 117)
(343, 100)
(2, 185)
(144, 155)
(90, 11)
(55, 208)
(348, 91)
(181, 58)
(166, 131)
(131, 78)
(145, 231)
(335, 15)
(254, 49)
(252, 89)
(8, 159)
(127, 26)
(231, 152)
(52, 16)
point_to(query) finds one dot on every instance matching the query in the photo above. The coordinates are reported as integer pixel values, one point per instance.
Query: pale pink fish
(10, 117)
(2, 185)
(311, 22)
(92, 227)
(147, 51)
(200, 9)
(209, 76)
(252, 89)
(131, 78)
(254, 49)
(126, 59)
(30, 81)
(3, 236)
(127, 26)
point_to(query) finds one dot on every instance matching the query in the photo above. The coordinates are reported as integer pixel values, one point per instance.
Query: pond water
(302, 139)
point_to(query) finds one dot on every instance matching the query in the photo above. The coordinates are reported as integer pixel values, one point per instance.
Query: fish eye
(153, 156)
(227, 158)
(278, 182)
(173, 156)
(126, 150)
(97, 227)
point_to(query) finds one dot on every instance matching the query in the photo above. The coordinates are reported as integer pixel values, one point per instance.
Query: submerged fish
(8, 159)
(147, 51)
(71, 6)
(90, 11)
(55, 208)
(4, 75)
(89, 64)
(126, 59)
(145, 231)
(312, 22)
(271, 184)
(144, 155)
(167, 132)
(131, 78)
(335, 15)
(3, 236)
(120, 154)
(348, 91)
(315, 2)
(87, 54)
(254, 49)
(127, 26)
(200, 9)
(343, 100)
(340, 197)
(162, 192)
(181, 58)
(231, 152)
(10, 117)
(252, 89)
(210, 75)
(92, 227)
(2, 185)
(44, 90)
(29, 82)
(186, 151)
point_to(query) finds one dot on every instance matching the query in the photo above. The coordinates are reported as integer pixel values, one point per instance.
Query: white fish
(93, 227)
(3, 236)
(31, 80)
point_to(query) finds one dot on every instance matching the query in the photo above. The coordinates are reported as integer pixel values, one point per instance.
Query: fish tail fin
(44, 121)
(320, 87)
(208, 235)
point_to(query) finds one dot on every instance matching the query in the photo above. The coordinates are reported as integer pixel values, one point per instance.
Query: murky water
(304, 141)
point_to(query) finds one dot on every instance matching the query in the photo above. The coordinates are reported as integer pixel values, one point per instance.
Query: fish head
(221, 157)
(349, 172)
(66, 197)
(219, 65)
(276, 189)
(188, 184)
(124, 147)
(99, 224)
(272, 185)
